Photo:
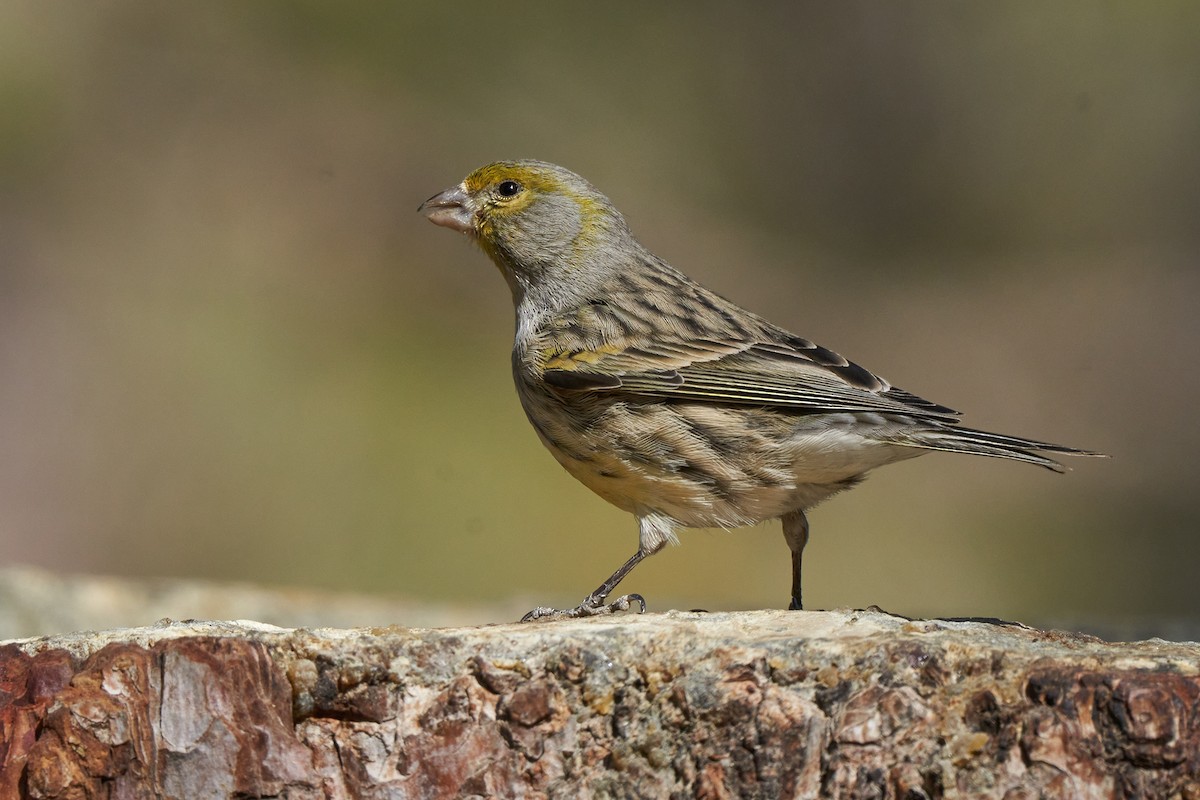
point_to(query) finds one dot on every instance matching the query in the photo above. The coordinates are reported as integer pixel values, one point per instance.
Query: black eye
(508, 188)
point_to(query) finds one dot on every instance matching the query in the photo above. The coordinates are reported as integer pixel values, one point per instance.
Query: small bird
(668, 400)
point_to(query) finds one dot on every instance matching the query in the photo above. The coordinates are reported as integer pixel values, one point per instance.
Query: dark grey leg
(594, 605)
(795, 531)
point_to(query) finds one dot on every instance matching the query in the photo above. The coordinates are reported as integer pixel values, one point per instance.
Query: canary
(668, 400)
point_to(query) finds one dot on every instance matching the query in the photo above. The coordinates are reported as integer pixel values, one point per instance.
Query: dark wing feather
(733, 357)
(760, 373)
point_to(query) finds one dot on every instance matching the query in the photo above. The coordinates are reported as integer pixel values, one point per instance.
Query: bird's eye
(508, 188)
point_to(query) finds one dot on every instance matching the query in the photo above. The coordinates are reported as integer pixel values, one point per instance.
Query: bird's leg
(594, 605)
(795, 531)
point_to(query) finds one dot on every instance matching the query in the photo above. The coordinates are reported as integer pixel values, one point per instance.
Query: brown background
(230, 348)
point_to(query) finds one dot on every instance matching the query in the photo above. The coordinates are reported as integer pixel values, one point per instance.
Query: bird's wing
(778, 370)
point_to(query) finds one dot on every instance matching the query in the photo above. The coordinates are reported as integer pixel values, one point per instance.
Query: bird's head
(543, 225)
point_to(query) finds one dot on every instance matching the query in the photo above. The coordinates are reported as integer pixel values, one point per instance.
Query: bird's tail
(996, 445)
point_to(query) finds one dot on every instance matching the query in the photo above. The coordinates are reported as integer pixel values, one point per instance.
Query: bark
(762, 704)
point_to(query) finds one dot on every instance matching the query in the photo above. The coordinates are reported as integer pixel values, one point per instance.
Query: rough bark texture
(763, 704)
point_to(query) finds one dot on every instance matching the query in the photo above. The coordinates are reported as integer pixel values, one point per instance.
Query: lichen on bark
(755, 704)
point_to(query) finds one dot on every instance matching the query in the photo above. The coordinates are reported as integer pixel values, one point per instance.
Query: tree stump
(840, 704)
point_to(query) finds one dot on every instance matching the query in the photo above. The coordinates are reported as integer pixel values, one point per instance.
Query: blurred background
(231, 349)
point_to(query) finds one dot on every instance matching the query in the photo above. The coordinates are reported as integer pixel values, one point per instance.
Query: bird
(669, 401)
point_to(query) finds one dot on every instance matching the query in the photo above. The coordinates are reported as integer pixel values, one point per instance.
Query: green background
(230, 347)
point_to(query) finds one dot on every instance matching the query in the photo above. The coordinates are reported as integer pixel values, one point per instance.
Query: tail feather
(995, 445)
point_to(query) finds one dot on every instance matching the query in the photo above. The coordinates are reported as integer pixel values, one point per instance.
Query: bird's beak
(450, 209)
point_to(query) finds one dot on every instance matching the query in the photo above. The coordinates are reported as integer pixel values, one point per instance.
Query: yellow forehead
(538, 179)
(528, 176)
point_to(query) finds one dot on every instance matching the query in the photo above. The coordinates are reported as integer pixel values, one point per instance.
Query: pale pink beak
(450, 209)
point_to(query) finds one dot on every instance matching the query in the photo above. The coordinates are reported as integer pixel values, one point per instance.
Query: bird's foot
(592, 606)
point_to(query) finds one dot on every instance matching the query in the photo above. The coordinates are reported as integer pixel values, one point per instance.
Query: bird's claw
(592, 606)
